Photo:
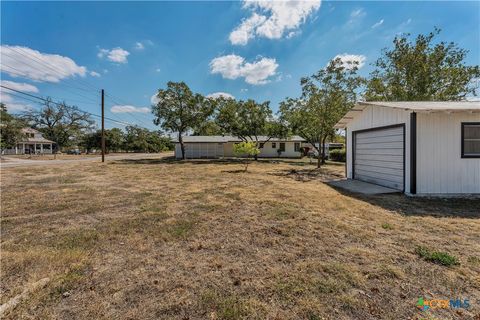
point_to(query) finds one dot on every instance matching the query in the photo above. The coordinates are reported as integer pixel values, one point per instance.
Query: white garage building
(426, 148)
(197, 147)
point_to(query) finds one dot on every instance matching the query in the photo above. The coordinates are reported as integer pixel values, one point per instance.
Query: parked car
(74, 151)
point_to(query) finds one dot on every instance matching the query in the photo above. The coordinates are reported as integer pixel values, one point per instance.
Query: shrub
(248, 149)
(339, 155)
(437, 257)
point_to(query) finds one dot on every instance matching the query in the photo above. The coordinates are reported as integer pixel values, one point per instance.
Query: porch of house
(30, 148)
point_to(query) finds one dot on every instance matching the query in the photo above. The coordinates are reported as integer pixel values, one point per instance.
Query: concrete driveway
(361, 187)
(11, 162)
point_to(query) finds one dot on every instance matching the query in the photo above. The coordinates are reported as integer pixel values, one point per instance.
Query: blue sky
(248, 50)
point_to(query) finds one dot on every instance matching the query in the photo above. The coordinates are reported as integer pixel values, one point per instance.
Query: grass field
(160, 239)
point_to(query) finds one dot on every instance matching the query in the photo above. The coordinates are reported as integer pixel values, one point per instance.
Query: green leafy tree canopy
(10, 129)
(326, 97)
(422, 70)
(179, 110)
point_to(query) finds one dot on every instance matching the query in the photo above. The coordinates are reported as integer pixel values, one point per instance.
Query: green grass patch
(224, 306)
(387, 226)
(180, 228)
(68, 281)
(438, 257)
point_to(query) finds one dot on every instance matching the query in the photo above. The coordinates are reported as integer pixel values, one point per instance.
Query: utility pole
(103, 126)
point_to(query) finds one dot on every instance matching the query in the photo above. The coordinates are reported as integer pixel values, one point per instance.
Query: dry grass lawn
(160, 239)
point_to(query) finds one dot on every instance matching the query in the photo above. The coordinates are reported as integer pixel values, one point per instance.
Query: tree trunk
(323, 150)
(319, 160)
(182, 146)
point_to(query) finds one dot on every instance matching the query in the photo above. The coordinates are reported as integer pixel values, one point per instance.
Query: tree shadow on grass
(173, 160)
(421, 206)
(307, 175)
(222, 161)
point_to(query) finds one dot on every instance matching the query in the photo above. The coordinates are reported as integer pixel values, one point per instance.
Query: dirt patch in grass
(162, 239)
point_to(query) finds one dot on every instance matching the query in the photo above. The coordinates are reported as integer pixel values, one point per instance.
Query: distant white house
(197, 147)
(428, 148)
(34, 143)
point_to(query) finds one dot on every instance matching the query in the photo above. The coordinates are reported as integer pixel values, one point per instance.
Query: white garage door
(379, 156)
(203, 150)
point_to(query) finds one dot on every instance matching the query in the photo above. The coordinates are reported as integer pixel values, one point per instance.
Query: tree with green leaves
(246, 149)
(143, 140)
(179, 110)
(422, 70)
(326, 97)
(249, 121)
(60, 122)
(114, 140)
(10, 129)
(207, 128)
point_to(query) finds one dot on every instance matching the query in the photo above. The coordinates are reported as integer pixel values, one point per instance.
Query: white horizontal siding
(440, 168)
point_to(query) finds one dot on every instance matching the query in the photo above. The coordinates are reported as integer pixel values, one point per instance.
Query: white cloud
(347, 60)
(244, 90)
(246, 30)
(19, 86)
(355, 16)
(10, 102)
(117, 55)
(217, 95)
(24, 62)
(17, 107)
(378, 24)
(158, 70)
(358, 13)
(233, 67)
(139, 46)
(272, 19)
(127, 108)
(154, 99)
(94, 74)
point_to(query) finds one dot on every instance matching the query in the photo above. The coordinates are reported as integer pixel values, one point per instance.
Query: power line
(48, 65)
(94, 115)
(64, 84)
(60, 104)
(130, 113)
(44, 63)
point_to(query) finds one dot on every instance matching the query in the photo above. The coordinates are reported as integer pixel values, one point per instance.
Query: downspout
(413, 153)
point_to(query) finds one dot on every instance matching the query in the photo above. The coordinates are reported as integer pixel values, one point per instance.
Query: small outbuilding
(425, 148)
(197, 147)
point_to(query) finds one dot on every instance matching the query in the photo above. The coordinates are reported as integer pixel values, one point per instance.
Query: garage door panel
(382, 158)
(385, 133)
(380, 145)
(379, 157)
(382, 182)
(380, 151)
(381, 164)
(396, 180)
(381, 169)
(381, 139)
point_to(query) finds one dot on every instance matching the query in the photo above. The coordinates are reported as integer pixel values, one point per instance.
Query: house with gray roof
(197, 147)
